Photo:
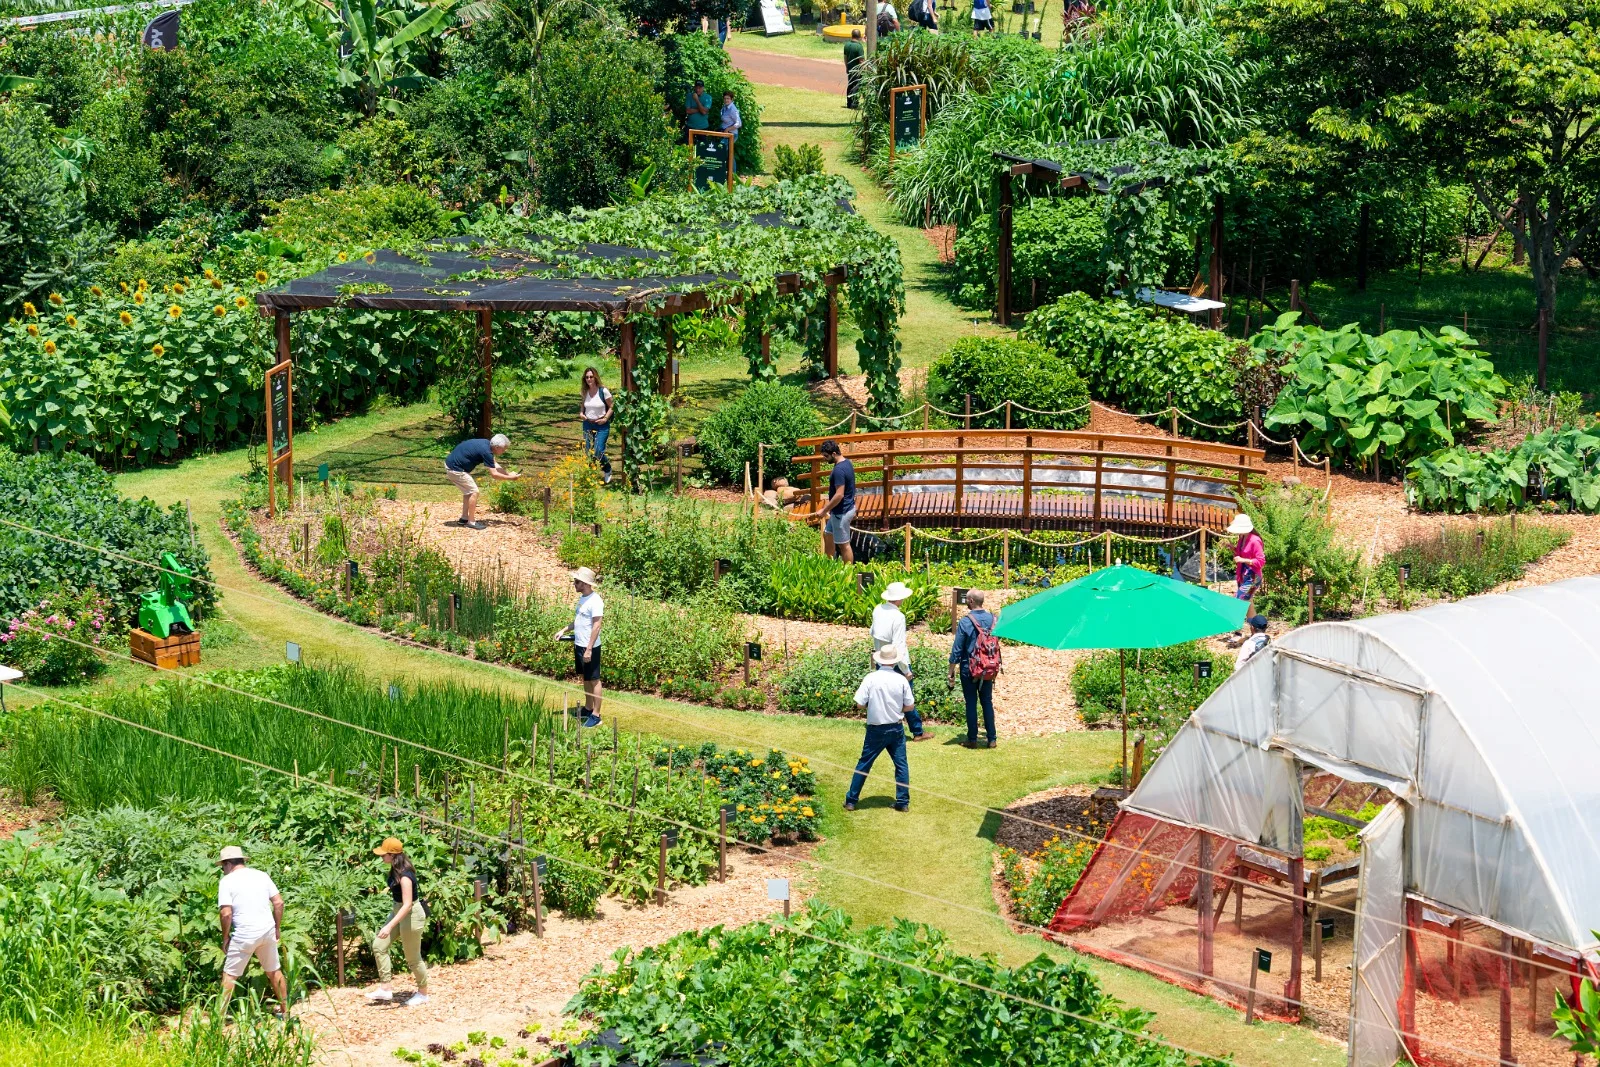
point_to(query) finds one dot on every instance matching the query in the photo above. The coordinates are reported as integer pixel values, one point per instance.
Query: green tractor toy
(163, 612)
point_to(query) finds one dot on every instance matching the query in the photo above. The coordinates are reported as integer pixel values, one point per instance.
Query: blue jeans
(879, 739)
(975, 690)
(913, 720)
(594, 441)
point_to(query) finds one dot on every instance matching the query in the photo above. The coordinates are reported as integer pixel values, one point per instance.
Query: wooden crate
(179, 650)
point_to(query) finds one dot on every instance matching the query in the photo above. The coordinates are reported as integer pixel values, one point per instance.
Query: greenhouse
(1479, 874)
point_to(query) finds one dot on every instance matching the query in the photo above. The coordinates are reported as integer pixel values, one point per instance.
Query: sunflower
(216, 283)
(72, 321)
(209, 276)
(29, 309)
(49, 348)
(33, 331)
(96, 290)
(219, 311)
(343, 257)
(138, 298)
(240, 302)
(55, 298)
(261, 277)
(175, 311)
(158, 349)
(142, 285)
(123, 286)
(125, 318)
(177, 287)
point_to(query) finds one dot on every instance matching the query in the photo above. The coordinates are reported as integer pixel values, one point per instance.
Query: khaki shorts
(462, 481)
(264, 949)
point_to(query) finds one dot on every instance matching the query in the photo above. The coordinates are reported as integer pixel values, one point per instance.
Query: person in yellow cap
(409, 919)
(250, 910)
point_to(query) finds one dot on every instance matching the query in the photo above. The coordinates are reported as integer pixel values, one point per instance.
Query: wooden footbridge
(1036, 479)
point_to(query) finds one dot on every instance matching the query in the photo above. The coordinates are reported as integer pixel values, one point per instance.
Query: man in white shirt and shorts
(587, 618)
(886, 695)
(251, 912)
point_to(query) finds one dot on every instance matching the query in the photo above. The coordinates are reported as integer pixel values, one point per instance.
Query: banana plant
(379, 46)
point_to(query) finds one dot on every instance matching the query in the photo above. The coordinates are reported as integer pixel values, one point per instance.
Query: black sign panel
(1202, 669)
(1263, 961)
(711, 161)
(752, 649)
(280, 415)
(161, 32)
(908, 118)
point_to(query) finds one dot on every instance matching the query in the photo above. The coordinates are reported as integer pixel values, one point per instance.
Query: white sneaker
(417, 1000)
(380, 996)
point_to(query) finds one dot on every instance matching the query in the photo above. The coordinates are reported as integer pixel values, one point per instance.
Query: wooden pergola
(1055, 175)
(458, 276)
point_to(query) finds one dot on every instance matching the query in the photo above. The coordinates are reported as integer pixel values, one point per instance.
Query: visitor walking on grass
(250, 909)
(886, 696)
(975, 658)
(889, 631)
(855, 52)
(840, 508)
(408, 919)
(982, 17)
(463, 460)
(584, 633)
(597, 408)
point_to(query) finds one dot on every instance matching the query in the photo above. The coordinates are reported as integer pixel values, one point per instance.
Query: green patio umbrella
(1120, 607)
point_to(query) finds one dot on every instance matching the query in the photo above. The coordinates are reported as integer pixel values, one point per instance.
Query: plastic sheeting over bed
(1482, 716)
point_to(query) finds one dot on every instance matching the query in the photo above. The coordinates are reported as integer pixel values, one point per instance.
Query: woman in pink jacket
(1249, 560)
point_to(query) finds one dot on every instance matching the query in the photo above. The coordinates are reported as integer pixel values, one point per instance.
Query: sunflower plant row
(137, 373)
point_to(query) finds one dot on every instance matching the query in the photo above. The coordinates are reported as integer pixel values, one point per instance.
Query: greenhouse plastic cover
(1483, 716)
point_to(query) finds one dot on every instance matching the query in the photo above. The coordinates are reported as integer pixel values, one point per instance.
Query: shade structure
(1120, 607)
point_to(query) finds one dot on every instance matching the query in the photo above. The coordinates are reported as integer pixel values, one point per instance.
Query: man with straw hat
(584, 633)
(250, 909)
(889, 631)
(887, 697)
(1249, 560)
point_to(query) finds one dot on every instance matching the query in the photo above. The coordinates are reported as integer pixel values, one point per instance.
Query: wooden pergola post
(1215, 267)
(1407, 1015)
(1002, 274)
(626, 351)
(830, 333)
(1297, 878)
(664, 379)
(486, 357)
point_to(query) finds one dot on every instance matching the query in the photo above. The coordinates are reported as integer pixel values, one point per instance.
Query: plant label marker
(864, 580)
(291, 651)
(722, 840)
(661, 873)
(394, 691)
(778, 889)
(505, 745)
(1202, 669)
(538, 872)
(1250, 997)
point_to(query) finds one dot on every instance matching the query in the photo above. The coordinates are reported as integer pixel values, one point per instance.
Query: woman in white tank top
(596, 409)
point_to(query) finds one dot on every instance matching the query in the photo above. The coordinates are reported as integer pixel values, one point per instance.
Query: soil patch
(15, 815)
(1066, 811)
(526, 980)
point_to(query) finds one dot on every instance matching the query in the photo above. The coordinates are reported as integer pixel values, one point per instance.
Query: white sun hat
(587, 577)
(887, 656)
(897, 591)
(1241, 524)
(231, 852)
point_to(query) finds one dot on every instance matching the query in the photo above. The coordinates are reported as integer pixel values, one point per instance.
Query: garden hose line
(710, 835)
(697, 728)
(523, 848)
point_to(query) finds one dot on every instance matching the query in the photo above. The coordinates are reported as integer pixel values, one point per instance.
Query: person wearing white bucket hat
(1249, 559)
(886, 697)
(889, 631)
(584, 633)
(250, 910)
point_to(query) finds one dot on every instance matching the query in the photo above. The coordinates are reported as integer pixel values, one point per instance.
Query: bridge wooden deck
(1037, 479)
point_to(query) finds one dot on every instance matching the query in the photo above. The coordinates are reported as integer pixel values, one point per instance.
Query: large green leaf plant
(1356, 397)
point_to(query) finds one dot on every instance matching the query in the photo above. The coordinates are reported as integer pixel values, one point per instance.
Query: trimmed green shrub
(765, 413)
(358, 220)
(70, 497)
(1143, 360)
(997, 369)
(1297, 528)
(1057, 242)
(794, 162)
(1354, 396)
(823, 682)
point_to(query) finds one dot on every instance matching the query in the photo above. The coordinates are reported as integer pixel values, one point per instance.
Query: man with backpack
(924, 13)
(975, 654)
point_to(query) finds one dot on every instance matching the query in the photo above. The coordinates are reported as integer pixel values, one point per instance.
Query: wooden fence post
(908, 544)
(1005, 557)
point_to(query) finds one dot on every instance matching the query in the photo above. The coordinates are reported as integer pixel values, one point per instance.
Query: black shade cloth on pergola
(460, 274)
(1097, 181)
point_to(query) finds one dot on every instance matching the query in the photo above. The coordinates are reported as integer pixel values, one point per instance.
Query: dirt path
(795, 72)
(526, 980)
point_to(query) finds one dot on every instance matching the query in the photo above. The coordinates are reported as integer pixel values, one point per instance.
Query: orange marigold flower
(127, 319)
(158, 349)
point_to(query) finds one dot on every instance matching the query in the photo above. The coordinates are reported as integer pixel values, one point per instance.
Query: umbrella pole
(1122, 671)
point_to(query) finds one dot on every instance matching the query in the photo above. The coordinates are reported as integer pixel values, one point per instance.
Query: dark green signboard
(907, 118)
(711, 161)
(280, 414)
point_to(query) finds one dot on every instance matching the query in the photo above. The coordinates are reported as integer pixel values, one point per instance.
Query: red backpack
(984, 663)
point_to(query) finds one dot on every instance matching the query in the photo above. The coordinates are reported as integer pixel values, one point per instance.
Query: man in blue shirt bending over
(459, 465)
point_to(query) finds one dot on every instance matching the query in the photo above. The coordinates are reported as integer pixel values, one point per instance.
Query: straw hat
(897, 591)
(586, 576)
(232, 852)
(1241, 524)
(391, 847)
(887, 656)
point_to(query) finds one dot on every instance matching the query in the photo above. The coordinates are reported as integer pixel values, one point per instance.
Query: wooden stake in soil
(1250, 997)
(505, 744)
(416, 798)
(305, 544)
(397, 772)
(297, 774)
(538, 902)
(1005, 557)
(338, 941)
(722, 843)
(661, 874)
(908, 544)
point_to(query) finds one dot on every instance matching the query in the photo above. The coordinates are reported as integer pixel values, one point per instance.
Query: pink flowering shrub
(47, 643)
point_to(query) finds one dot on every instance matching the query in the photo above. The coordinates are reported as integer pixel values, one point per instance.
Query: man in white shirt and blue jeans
(585, 633)
(886, 695)
(250, 909)
(889, 631)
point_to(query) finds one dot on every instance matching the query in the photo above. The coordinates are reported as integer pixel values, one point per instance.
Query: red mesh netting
(1143, 864)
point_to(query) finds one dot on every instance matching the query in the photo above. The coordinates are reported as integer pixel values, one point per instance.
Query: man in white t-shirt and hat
(250, 909)
(886, 696)
(585, 634)
(889, 631)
